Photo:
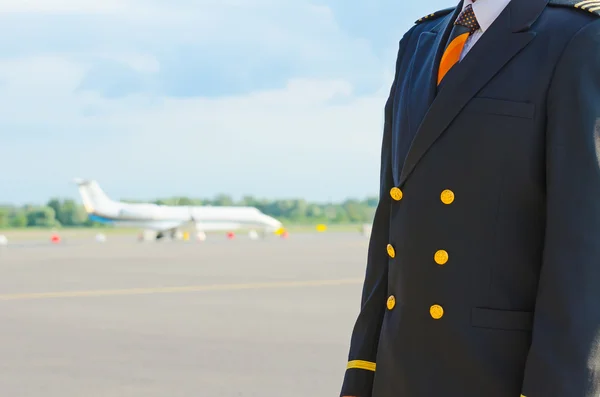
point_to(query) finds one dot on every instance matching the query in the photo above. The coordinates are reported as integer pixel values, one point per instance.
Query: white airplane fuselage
(163, 218)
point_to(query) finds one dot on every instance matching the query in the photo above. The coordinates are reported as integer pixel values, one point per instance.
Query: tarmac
(219, 318)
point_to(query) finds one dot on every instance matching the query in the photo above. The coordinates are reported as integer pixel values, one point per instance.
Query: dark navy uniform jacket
(483, 271)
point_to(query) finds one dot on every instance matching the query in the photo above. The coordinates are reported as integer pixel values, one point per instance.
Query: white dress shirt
(486, 12)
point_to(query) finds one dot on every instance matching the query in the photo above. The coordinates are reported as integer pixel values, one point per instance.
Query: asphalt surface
(219, 318)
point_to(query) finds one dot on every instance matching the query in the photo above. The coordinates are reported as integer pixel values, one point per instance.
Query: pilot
(483, 269)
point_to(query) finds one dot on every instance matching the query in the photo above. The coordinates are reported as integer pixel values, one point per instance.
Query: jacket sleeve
(360, 369)
(564, 356)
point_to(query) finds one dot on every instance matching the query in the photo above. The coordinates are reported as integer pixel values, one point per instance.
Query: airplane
(164, 219)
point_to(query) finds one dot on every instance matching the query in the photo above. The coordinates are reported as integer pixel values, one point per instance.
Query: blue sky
(154, 98)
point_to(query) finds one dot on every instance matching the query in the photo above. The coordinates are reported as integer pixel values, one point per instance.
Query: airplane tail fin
(94, 198)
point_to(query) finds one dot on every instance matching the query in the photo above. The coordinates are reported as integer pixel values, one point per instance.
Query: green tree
(68, 212)
(18, 219)
(42, 217)
(355, 212)
(4, 217)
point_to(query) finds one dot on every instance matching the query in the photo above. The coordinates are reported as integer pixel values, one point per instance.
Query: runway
(218, 318)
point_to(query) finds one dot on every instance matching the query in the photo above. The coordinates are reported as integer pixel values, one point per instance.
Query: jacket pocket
(501, 107)
(501, 319)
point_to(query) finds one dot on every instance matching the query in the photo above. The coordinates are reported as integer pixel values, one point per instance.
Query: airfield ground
(220, 318)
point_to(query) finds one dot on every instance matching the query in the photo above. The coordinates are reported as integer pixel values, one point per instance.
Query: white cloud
(142, 63)
(312, 133)
(311, 138)
(143, 12)
(63, 6)
(38, 89)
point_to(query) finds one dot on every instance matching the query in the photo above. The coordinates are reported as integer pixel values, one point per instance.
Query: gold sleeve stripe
(360, 364)
(586, 2)
(589, 5)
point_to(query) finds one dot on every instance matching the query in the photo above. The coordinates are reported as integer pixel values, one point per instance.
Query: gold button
(391, 251)
(391, 302)
(436, 312)
(447, 196)
(396, 194)
(441, 257)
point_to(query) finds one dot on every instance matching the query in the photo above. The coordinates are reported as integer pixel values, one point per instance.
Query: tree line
(68, 213)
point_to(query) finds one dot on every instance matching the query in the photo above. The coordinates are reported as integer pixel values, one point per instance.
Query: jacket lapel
(423, 72)
(498, 45)
(421, 87)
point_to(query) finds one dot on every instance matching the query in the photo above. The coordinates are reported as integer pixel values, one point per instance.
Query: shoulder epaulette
(591, 6)
(437, 14)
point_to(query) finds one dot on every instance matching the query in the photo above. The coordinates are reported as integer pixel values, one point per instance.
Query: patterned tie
(466, 24)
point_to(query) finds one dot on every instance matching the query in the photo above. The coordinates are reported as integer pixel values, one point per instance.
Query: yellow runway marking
(166, 290)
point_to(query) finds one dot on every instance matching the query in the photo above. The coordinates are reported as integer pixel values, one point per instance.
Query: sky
(157, 98)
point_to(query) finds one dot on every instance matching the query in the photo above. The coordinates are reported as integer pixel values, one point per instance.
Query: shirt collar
(486, 11)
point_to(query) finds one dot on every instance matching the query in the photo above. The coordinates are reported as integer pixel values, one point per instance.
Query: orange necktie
(465, 25)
